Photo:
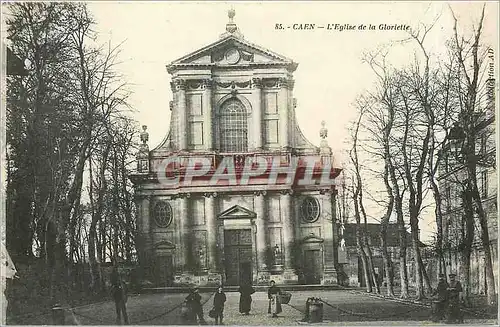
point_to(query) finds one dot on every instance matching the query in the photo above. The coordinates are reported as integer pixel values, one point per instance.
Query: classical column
(207, 114)
(283, 112)
(257, 113)
(328, 228)
(211, 231)
(145, 236)
(260, 223)
(330, 235)
(184, 233)
(333, 199)
(180, 86)
(288, 234)
(146, 220)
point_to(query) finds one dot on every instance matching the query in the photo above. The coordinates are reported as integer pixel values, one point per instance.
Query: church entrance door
(164, 270)
(238, 256)
(312, 266)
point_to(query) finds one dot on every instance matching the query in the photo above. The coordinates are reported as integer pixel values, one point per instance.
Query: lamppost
(456, 136)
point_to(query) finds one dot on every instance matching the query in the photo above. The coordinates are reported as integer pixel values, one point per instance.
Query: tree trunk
(371, 268)
(466, 242)
(365, 242)
(439, 224)
(485, 238)
(359, 243)
(364, 261)
(403, 272)
(389, 273)
(419, 285)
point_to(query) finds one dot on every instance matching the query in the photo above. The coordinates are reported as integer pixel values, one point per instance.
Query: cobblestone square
(341, 307)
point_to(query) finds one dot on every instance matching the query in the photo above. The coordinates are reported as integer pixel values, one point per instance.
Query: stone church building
(234, 99)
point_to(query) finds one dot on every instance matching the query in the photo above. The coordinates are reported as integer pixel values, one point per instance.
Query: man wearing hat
(454, 297)
(441, 297)
(194, 302)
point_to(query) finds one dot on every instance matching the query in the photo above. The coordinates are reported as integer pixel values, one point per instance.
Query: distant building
(15, 65)
(351, 261)
(452, 177)
(234, 99)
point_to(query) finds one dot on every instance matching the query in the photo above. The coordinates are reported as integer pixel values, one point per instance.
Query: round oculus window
(232, 56)
(309, 209)
(163, 214)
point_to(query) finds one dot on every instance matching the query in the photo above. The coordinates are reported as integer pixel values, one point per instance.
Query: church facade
(233, 194)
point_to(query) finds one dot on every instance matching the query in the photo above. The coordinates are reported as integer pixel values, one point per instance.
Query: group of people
(447, 303)
(194, 308)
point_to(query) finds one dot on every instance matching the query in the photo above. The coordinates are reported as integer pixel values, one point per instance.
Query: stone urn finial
(323, 132)
(231, 26)
(144, 135)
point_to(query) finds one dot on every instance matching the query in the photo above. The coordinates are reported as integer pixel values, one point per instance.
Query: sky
(330, 74)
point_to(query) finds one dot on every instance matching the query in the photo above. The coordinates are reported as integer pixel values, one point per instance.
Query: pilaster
(184, 233)
(262, 237)
(289, 274)
(211, 231)
(283, 107)
(257, 113)
(179, 86)
(208, 138)
(330, 247)
(144, 238)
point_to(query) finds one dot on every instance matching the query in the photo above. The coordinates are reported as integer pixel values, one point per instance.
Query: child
(219, 299)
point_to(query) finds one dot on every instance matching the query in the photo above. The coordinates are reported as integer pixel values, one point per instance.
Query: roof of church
(234, 38)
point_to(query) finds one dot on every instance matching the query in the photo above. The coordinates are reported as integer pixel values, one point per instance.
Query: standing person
(441, 296)
(274, 296)
(454, 297)
(246, 292)
(194, 302)
(119, 293)
(219, 299)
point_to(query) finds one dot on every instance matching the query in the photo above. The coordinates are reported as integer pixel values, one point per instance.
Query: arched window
(233, 127)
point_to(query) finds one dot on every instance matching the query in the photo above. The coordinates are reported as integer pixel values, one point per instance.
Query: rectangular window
(271, 103)
(274, 212)
(194, 104)
(198, 211)
(271, 131)
(196, 133)
(484, 183)
(448, 198)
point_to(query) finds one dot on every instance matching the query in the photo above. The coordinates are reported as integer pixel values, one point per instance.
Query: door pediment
(311, 239)
(237, 212)
(165, 245)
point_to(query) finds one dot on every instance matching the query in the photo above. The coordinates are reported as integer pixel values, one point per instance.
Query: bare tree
(468, 53)
(361, 240)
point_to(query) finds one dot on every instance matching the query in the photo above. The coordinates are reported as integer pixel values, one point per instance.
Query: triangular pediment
(236, 212)
(231, 51)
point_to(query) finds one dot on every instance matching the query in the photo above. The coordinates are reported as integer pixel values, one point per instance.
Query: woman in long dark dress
(274, 296)
(246, 292)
